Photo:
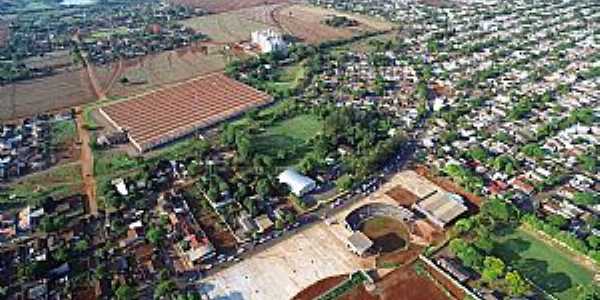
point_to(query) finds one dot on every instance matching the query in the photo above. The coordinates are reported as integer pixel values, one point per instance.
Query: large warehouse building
(159, 117)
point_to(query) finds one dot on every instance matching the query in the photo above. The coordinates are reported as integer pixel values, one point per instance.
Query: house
(298, 183)
(263, 223)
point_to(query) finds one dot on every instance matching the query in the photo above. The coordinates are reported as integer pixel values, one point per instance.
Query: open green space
(548, 267)
(63, 132)
(57, 182)
(102, 34)
(288, 78)
(290, 135)
(111, 163)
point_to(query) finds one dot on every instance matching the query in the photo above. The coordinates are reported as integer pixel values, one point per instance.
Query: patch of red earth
(405, 284)
(401, 284)
(449, 185)
(320, 287)
(444, 281)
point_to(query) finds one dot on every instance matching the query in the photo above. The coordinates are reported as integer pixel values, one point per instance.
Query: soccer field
(547, 266)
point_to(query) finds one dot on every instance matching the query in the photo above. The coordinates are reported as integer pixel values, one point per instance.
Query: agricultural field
(131, 77)
(219, 6)
(67, 88)
(229, 27)
(288, 135)
(57, 182)
(306, 24)
(550, 268)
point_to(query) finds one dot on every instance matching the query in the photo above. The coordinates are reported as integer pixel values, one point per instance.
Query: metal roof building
(298, 183)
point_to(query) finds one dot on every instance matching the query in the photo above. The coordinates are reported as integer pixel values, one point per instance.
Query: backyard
(548, 267)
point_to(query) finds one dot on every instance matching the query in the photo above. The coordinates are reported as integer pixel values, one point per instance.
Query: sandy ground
(285, 269)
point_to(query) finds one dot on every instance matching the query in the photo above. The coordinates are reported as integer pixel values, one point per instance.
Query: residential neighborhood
(454, 154)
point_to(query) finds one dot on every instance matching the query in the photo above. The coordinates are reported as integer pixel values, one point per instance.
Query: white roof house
(298, 183)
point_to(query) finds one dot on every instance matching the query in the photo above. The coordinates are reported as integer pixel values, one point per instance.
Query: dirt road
(87, 163)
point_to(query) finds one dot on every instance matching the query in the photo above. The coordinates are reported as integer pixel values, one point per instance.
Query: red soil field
(218, 6)
(67, 88)
(161, 116)
(402, 284)
(449, 185)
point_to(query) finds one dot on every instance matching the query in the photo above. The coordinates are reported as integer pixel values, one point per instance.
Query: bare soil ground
(230, 27)
(406, 284)
(69, 87)
(450, 287)
(314, 291)
(306, 23)
(218, 6)
(402, 284)
(403, 196)
(154, 71)
(449, 186)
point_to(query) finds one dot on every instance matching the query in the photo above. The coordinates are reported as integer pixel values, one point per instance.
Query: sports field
(550, 268)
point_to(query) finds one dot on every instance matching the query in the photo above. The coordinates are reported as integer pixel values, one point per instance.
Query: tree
(586, 198)
(590, 292)
(155, 235)
(125, 292)
(263, 188)
(466, 253)
(344, 183)
(594, 242)
(164, 288)
(557, 221)
(464, 225)
(497, 210)
(81, 246)
(517, 286)
(493, 268)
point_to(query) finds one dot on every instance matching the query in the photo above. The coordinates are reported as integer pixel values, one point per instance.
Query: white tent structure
(298, 183)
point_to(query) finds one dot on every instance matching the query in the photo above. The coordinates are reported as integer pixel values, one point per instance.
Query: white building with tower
(269, 41)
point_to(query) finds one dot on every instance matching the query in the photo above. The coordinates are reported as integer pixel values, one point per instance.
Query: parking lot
(283, 270)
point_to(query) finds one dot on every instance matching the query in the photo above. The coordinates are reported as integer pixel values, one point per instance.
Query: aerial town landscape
(300, 149)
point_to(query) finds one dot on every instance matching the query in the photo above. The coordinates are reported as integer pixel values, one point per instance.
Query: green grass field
(289, 134)
(57, 182)
(63, 132)
(289, 78)
(550, 268)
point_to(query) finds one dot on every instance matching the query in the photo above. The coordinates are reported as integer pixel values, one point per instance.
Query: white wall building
(269, 41)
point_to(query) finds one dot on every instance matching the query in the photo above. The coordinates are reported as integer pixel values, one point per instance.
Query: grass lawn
(288, 134)
(289, 77)
(547, 266)
(63, 132)
(112, 163)
(57, 182)
(102, 34)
